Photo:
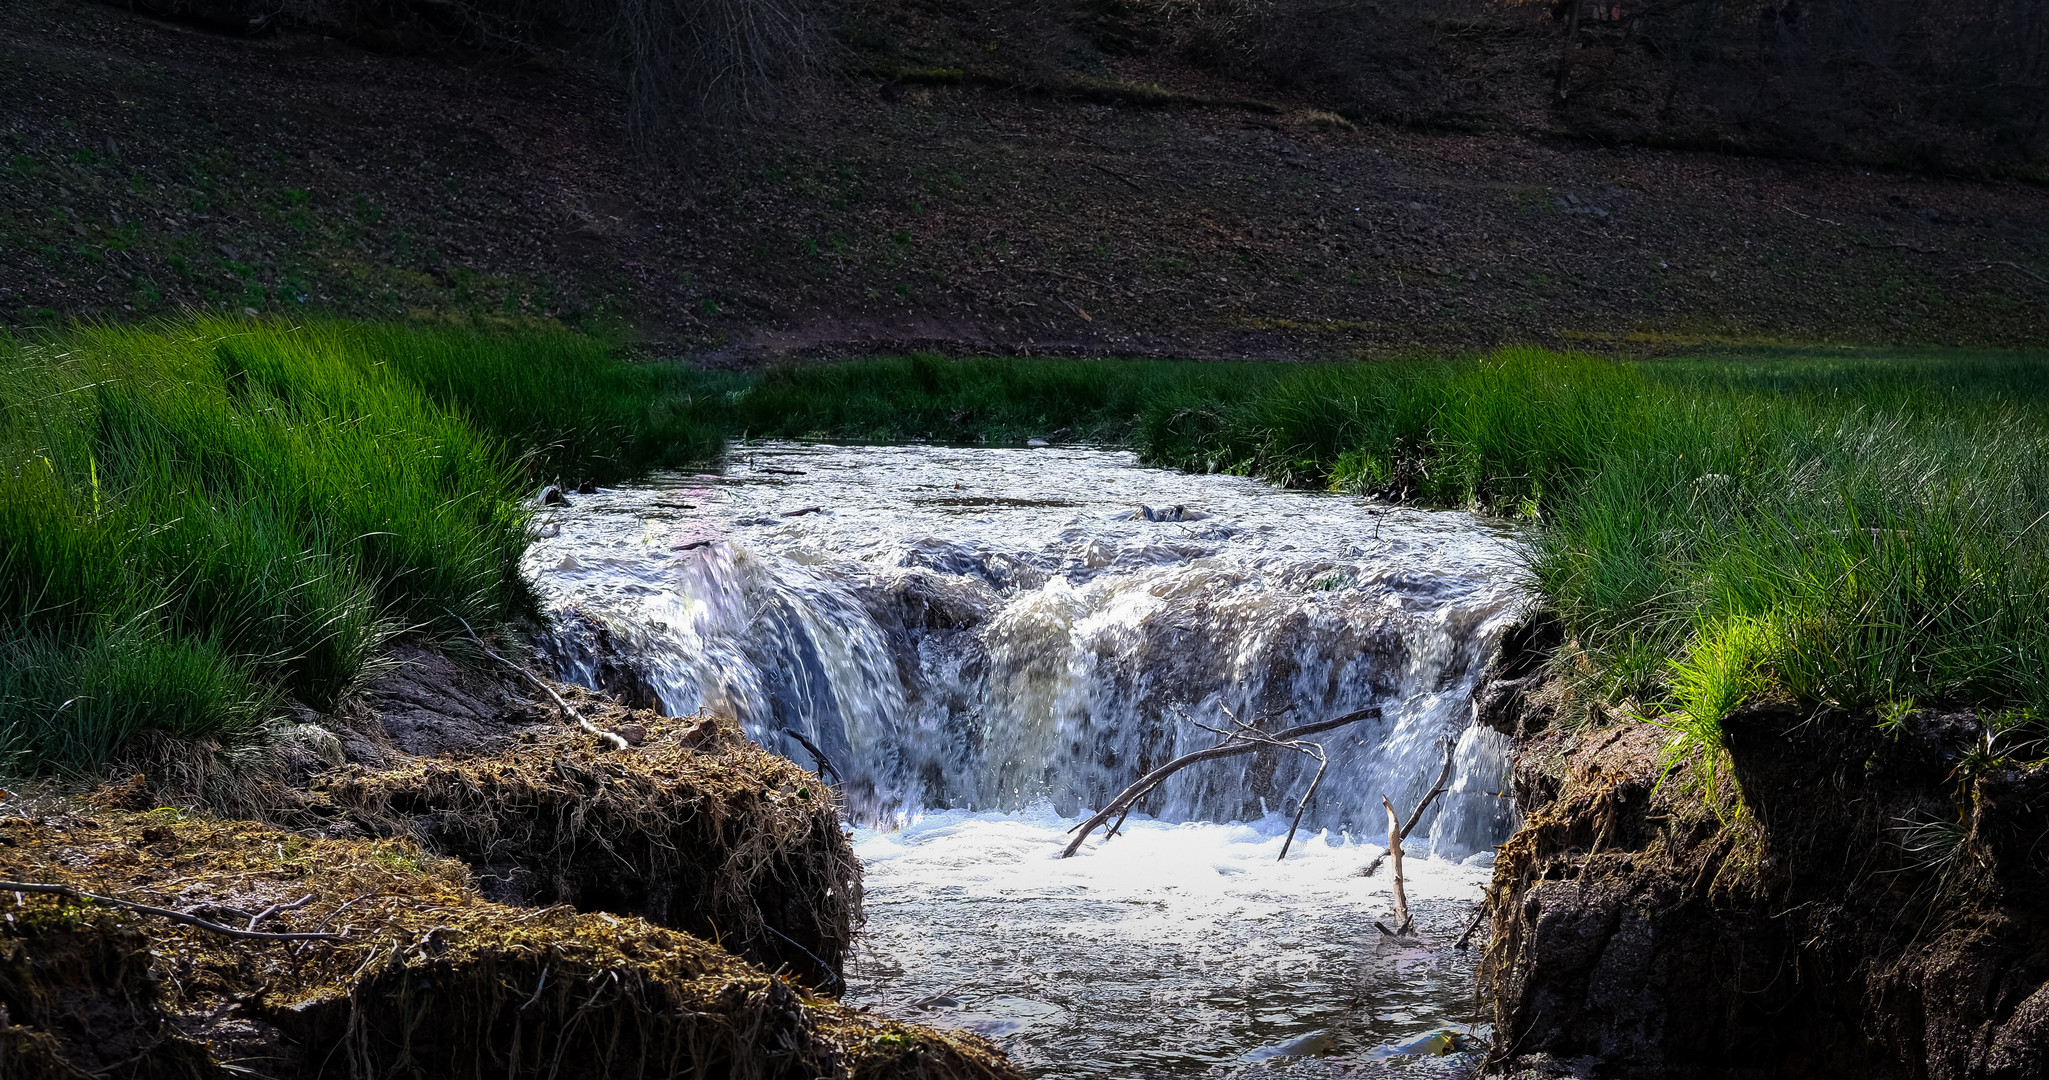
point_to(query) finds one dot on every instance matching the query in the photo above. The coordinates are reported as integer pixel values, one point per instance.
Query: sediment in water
(1871, 904)
(429, 979)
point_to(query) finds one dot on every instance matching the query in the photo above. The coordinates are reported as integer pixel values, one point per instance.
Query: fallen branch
(617, 742)
(1235, 743)
(163, 913)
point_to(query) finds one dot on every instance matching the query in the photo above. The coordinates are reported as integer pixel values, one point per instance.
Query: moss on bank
(694, 827)
(427, 977)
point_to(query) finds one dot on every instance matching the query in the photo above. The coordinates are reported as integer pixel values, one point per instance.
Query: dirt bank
(423, 976)
(160, 167)
(693, 826)
(1875, 906)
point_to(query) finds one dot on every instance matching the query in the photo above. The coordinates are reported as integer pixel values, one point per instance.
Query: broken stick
(612, 739)
(1403, 925)
(1397, 832)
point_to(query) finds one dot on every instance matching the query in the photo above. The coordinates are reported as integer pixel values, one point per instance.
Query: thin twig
(1322, 763)
(1470, 927)
(617, 742)
(162, 913)
(1450, 748)
(275, 909)
(824, 763)
(822, 965)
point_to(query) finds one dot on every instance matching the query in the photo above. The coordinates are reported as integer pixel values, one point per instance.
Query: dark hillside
(1056, 200)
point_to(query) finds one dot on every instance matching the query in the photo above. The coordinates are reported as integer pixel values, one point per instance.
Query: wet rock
(551, 496)
(1171, 513)
(1037, 444)
(1511, 699)
(1314, 1044)
(586, 488)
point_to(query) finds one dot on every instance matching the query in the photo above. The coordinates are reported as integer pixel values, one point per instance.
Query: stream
(985, 644)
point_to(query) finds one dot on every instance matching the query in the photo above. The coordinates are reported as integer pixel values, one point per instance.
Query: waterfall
(987, 629)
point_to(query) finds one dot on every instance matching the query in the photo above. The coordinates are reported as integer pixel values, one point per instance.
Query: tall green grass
(1858, 534)
(923, 396)
(200, 521)
(1863, 531)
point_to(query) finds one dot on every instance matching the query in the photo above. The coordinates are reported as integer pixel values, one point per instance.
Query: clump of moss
(694, 827)
(426, 978)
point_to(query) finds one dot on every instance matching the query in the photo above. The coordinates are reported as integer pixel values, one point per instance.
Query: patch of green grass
(199, 521)
(928, 396)
(1858, 529)
(1845, 531)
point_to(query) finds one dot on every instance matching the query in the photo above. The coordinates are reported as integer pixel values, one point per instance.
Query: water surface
(983, 644)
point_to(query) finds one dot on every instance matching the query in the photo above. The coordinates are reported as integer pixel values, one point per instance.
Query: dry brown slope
(157, 167)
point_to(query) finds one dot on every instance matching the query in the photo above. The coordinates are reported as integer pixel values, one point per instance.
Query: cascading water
(983, 643)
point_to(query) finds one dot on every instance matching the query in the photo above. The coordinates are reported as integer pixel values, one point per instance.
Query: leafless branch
(162, 913)
(1235, 743)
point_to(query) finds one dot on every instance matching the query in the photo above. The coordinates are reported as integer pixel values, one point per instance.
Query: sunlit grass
(201, 521)
(1857, 530)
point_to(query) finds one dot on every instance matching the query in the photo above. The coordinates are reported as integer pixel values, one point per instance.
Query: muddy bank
(422, 976)
(1874, 906)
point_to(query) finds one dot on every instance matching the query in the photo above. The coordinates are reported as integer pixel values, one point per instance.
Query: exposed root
(430, 979)
(695, 828)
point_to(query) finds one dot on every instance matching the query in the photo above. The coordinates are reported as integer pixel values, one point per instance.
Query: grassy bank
(1866, 531)
(199, 521)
